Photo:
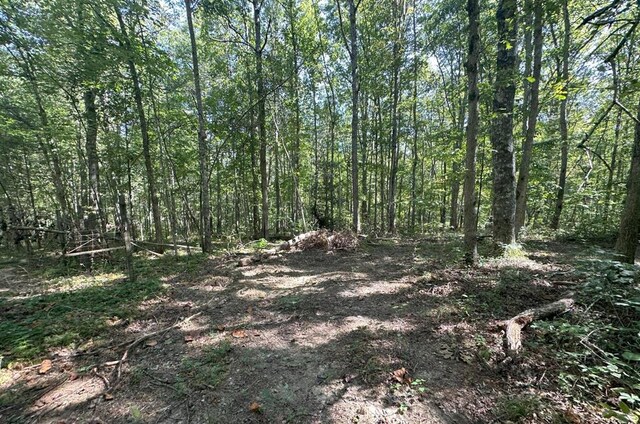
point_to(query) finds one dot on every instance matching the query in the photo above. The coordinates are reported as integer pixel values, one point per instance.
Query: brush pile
(323, 239)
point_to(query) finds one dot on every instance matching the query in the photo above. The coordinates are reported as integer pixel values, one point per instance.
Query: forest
(319, 211)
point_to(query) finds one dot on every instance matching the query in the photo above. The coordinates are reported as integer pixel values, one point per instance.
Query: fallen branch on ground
(515, 325)
(136, 342)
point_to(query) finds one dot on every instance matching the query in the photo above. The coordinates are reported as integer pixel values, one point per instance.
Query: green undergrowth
(599, 345)
(31, 326)
(207, 370)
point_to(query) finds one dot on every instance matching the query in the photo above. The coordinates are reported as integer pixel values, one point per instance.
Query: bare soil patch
(396, 331)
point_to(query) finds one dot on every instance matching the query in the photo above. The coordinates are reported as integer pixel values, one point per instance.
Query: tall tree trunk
(352, 47)
(144, 130)
(414, 119)
(564, 132)
(527, 147)
(355, 90)
(395, 90)
(470, 211)
(203, 149)
(262, 128)
(528, 59)
(91, 150)
(295, 154)
(627, 242)
(612, 167)
(504, 196)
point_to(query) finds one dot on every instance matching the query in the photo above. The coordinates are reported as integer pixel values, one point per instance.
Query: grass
(207, 370)
(33, 325)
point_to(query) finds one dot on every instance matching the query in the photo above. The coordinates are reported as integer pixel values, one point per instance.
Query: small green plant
(516, 408)
(513, 251)
(136, 414)
(209, 369)
(261, 244)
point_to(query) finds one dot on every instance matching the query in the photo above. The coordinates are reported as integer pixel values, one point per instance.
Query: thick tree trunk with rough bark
(203, 151)
(627, 242)
(470, 217)
(504, 196)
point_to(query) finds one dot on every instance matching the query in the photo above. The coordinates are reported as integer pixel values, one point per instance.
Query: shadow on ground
(393, 332)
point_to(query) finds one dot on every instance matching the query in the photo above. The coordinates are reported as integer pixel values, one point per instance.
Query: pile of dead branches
(327, 240)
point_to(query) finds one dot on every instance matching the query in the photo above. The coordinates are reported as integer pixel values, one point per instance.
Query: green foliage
(601, 346)
(516, 408)
(33, 325)
(208, 369)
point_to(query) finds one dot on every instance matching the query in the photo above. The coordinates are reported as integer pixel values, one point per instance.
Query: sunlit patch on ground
(378, 287)
(305, 336)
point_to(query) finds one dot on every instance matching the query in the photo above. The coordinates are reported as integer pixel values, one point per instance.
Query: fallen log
(91, 252)
(287, 245)
(515, 325)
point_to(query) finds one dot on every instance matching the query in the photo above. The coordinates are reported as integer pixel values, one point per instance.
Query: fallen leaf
(220, 328)
(250, 310)
(401, 375)
(108, 396)
(45, 366)
(73, 376)
(254, 407)
(239, 333)
(151, 342)
(467, 357)
(188, 338)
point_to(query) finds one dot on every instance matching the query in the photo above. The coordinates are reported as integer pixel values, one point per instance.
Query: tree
(203, 150)
(627, 242)
(503, 207)
(564, 130)
(144, 129)
(527, 146)
(352, 48)
(470, 216)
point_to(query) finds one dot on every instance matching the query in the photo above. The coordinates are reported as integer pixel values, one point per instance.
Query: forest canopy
(265, 118)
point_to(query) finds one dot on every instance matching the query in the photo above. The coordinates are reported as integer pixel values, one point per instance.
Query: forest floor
(396, 331)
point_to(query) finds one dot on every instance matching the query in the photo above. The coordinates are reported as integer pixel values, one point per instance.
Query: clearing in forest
(395, 331)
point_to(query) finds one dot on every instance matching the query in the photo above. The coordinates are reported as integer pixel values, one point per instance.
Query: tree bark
(262, 128)
(355, 90)
(352, 48)
(504, 198)
(627, 242)
(527, 147)
(91, 149)
(564, 132)
(395, 89)
(203, 150)
(470, 211)
(126, 234)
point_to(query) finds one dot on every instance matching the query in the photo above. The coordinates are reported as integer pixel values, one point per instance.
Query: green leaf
(624, 407)
(631, 356)
(531, 79)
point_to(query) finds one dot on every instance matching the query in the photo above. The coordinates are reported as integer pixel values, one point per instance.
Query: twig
(136, 342)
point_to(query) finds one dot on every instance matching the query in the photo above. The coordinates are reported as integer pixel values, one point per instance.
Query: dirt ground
(396, 331)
